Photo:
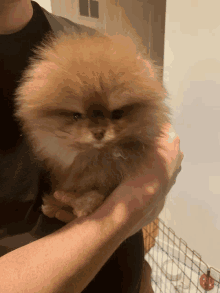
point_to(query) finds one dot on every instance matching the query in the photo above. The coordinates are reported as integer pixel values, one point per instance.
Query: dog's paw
(88, 203)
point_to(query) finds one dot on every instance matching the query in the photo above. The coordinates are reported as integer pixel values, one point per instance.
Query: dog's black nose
(99, 134)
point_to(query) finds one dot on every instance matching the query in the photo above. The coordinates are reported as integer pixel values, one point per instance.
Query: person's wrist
(109, 223)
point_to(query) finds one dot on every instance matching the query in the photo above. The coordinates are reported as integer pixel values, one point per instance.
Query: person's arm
(68, 259)
(65, 261)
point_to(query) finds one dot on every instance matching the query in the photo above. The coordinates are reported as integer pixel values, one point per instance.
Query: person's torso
(19, 172)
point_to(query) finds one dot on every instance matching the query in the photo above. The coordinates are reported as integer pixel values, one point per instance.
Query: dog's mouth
(98, 145)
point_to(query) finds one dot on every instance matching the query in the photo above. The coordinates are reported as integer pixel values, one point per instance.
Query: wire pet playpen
(175, 267)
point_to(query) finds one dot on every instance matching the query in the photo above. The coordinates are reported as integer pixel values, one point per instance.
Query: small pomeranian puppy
(91, 108)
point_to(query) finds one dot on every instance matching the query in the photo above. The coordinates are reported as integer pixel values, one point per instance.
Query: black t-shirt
(19, 176)
(15, 51)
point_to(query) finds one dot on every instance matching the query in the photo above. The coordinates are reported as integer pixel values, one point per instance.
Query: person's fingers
(178, 161)
(65, 216)
(173, 179)
(181, 157)
(61, 196)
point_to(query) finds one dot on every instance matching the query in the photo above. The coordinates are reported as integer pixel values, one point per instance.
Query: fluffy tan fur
(91, 108)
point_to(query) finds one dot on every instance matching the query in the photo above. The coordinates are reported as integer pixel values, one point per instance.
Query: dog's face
(90, 93)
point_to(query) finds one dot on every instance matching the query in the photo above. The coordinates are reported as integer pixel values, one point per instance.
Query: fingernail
(152, 187)
(60, 195)
(57, 195)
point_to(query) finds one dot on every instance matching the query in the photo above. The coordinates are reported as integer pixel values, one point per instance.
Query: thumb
(65, 216)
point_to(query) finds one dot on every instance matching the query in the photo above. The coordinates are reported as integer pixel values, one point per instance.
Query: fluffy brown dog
(91, 108)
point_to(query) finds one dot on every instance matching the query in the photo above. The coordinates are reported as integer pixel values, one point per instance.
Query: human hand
(169, 150)
(138, 201)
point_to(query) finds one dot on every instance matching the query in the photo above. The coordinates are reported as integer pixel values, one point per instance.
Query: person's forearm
(65, 261)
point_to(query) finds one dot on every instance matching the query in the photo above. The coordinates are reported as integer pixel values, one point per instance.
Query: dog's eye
(117, 114)
(77, 116)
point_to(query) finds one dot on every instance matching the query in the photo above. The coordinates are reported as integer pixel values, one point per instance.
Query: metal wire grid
(171, 258)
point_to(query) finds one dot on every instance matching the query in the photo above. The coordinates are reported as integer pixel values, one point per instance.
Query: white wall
(192, 75)
(46, 4)
(70, 10)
